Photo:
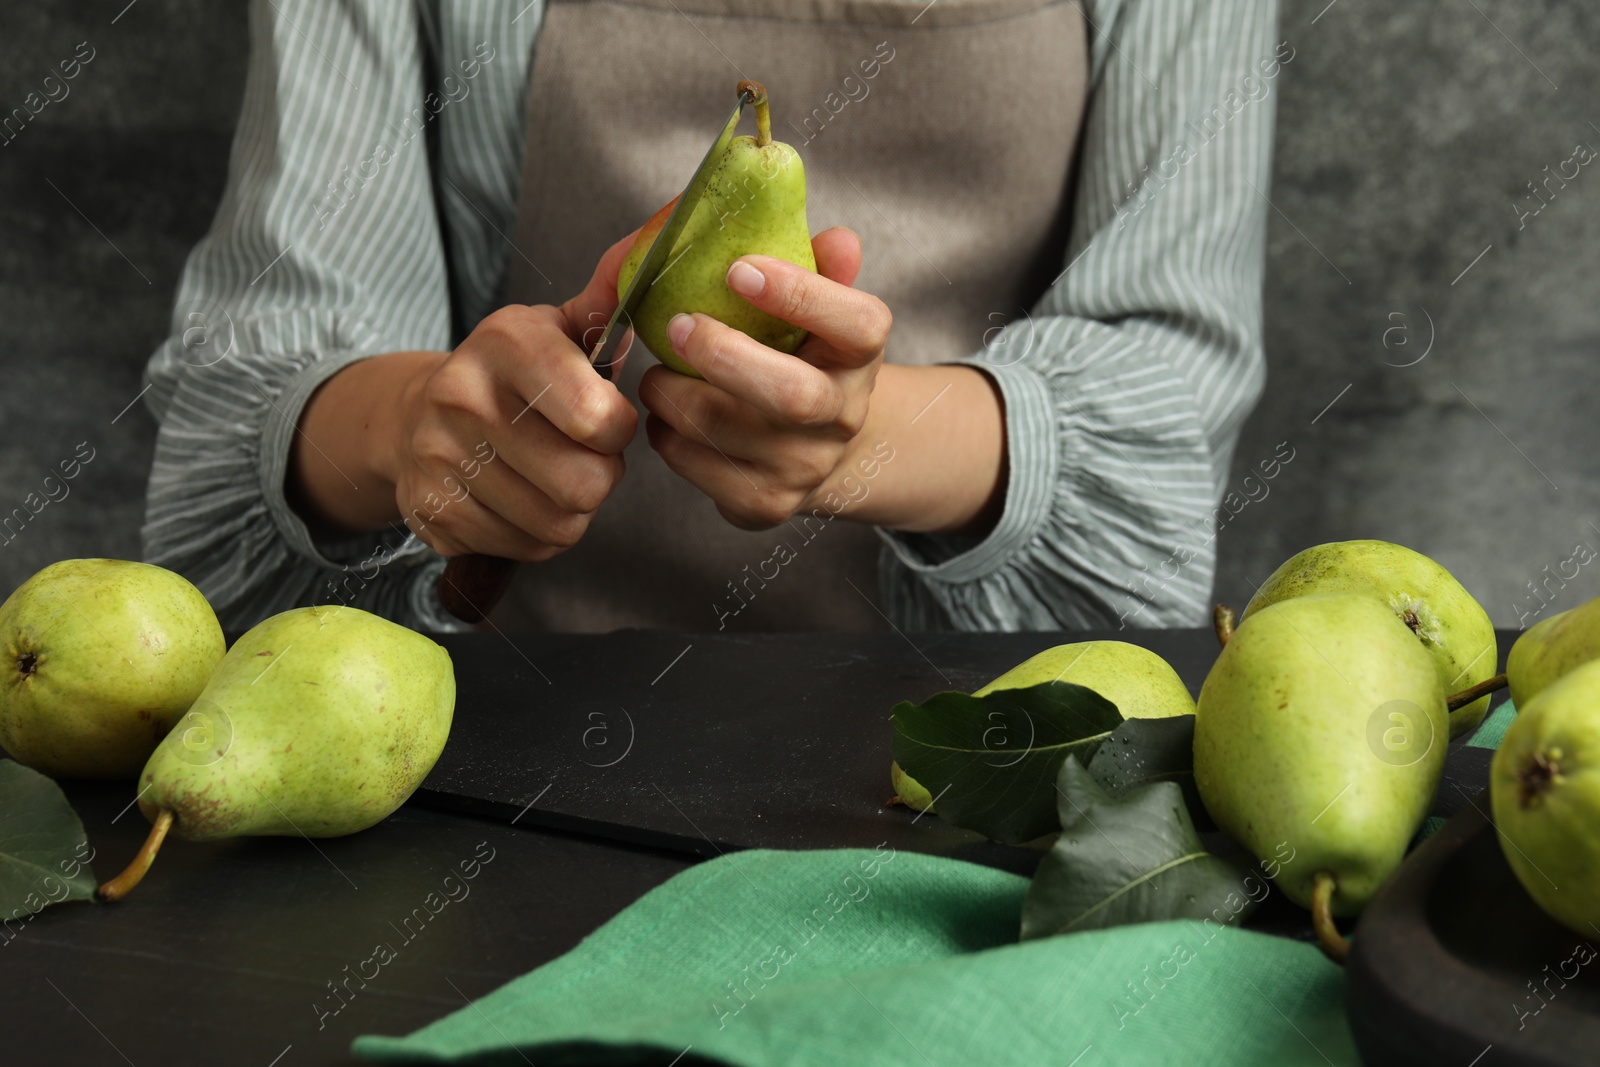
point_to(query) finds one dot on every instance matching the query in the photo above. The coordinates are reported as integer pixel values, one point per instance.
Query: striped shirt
(373, 184)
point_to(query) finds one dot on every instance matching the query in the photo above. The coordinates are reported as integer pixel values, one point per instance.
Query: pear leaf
(1142, 751)
(44, 853)
(990, 762)
(1127, 859)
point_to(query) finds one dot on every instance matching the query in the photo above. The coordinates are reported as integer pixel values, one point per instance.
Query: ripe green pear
(1550, 649)
(1322, 729)
(755, 204)
(1451, 625)
(1544, 787)
(320, 721)
(102, 656)
(1140, 683)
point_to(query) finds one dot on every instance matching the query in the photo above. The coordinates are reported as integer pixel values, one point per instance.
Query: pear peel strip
(133, 874)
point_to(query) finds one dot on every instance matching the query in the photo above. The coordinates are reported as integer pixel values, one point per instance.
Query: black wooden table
(259, 951)
(230, 952)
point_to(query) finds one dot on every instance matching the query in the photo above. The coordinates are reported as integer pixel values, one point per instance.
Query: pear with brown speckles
(98, 659)
(318, 722)
(1451, 625)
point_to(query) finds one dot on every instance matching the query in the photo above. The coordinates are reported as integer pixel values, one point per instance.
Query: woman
(1088, 177)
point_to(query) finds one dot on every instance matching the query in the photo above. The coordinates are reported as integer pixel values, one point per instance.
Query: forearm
(341, 467)
(946, 426)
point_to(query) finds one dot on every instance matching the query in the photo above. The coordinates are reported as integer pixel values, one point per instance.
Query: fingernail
(745, 279)
(679, 329)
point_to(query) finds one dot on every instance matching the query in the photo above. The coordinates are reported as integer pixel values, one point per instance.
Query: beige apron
(943, 134)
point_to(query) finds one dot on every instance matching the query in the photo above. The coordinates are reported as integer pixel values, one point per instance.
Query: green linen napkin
(899, 960)
(894, 959)
(1493, 728)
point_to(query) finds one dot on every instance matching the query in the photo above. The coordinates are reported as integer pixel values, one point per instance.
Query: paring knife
(471, 585)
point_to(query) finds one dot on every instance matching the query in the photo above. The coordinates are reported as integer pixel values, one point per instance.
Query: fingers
(704, 413)
(587, 313)
(514, 442)
(854, 324)
(527, 348)
(492, 506)
(838, 254)
(550, 431)
(575, 479)
(742, 495)
(787, 390)
(458, 524)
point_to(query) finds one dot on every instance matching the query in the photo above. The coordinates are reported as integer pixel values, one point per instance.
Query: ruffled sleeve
(1125, 387)
(325, 250)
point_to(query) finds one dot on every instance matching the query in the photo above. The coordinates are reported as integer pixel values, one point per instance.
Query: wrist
(395, 407)
(931, 457)
(347, 453)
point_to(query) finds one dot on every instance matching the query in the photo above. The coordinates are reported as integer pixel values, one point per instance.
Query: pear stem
(1467, 696)
(133, 874)
(1222, 622)
(1334, 945)
(758, 96)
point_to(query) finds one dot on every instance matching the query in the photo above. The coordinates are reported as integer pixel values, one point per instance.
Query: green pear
(1322, 729)
(1544, 787)
(1140, 683)
(319, 722)
(1550, 649)
(907, 790)
(102, 656)
(1451, 625)
(755, 204)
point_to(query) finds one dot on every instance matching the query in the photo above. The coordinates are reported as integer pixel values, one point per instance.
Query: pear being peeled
(1140, 683)
(320, 722)
(755, 204)
(1322, 729)
(1550, 649)
(102, 656)
(1544, 786)
(1451, 625)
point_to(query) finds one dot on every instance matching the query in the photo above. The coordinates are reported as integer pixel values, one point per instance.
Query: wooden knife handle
(472, 585)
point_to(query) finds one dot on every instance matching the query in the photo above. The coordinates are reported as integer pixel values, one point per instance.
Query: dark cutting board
(708, 743)
(1453, 963)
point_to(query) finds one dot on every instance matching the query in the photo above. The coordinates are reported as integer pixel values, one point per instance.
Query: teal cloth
(1493, 729)
(917, 964)
(896, 959)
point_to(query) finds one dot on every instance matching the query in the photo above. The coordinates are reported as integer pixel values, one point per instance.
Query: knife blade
(604, 356)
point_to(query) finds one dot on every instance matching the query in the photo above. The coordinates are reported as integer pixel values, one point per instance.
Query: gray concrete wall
(102, 195)
(1406, 132)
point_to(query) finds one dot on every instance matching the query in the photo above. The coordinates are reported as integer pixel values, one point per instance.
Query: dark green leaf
(1129, 859)
(991, 761)
(44, 855)
(1143, 751)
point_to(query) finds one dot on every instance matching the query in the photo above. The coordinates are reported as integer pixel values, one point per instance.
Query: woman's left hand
(764, 430)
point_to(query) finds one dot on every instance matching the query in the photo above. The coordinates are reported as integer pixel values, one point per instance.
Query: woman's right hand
(510, 444)
(505, 446)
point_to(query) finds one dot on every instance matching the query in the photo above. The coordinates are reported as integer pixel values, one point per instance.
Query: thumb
(838, 254)
(588, 312)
